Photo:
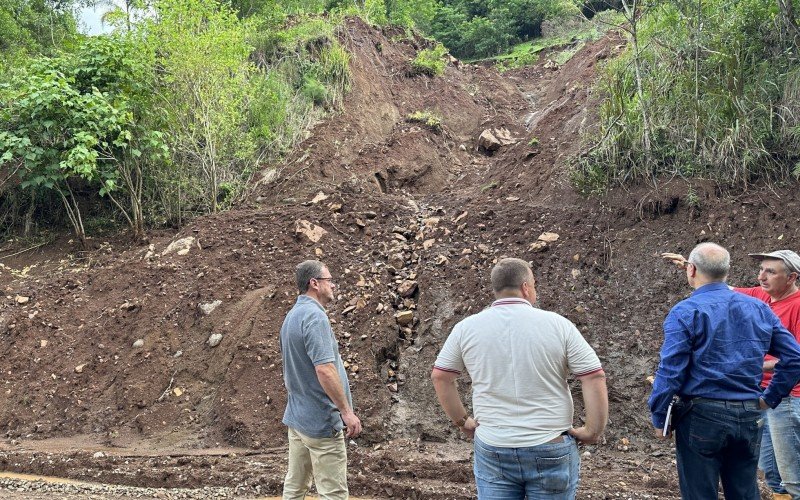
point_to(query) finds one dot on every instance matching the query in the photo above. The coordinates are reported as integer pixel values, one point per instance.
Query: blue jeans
(767, 462)
(784, 426)
(719, 440)
(549, 470)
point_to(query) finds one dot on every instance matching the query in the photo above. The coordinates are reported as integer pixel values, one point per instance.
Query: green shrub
(427, 118)
(314, 90)
(430, 61)
(718, 102)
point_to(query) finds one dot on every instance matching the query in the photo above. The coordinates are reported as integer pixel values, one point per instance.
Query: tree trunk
(630, 13)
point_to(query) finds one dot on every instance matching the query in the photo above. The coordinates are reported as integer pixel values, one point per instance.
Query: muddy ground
(111, 351)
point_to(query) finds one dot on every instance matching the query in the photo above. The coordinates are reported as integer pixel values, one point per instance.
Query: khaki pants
(323, 459)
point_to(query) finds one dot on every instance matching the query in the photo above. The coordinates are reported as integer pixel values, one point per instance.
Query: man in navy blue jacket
(712, 359)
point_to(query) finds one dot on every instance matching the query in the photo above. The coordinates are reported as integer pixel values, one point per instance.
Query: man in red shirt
(778, 274)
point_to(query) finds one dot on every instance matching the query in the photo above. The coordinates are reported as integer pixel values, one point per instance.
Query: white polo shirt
(519, 358)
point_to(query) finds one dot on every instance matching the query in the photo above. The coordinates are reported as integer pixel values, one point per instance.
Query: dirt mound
(174, 346)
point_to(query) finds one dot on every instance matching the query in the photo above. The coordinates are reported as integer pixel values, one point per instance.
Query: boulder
(309, 231)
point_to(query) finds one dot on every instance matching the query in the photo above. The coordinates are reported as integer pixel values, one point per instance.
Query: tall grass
(721, 91)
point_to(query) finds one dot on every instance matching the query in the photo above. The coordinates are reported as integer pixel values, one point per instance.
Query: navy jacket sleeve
(671, 374)
(787, 372)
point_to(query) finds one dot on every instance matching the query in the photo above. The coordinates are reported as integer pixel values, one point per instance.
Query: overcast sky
(90, 20)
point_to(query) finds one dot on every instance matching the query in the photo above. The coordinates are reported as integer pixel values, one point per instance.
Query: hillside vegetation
(704, 90)
(184, 107)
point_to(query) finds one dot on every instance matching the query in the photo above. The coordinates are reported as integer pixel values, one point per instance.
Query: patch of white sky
(91, 22)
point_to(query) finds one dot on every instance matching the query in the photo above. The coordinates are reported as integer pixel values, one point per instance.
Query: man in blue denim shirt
(712, 358)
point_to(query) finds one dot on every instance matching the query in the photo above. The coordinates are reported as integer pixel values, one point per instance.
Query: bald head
(711, 260)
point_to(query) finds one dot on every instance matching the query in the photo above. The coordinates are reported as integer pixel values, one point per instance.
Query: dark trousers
(719, 440)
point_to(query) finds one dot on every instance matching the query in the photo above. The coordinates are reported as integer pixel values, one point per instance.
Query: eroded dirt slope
(410, 220)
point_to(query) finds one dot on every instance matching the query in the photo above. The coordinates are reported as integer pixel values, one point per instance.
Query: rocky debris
(407, 288)
(543, 242)
(214, 339)
(129, 306)
(491, 140)
(209, 307)
(23, 489)
(42, 343)
(138, 344)
(309, 231)
(404, 317)
(319, 197)
(79, 368)
(99, 454)
(21, 299)
(551, 64)
(181, 246)
(548, 237)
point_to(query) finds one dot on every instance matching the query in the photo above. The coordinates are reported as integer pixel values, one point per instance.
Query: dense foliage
(705, 89)
(170, 116)
(33, 27)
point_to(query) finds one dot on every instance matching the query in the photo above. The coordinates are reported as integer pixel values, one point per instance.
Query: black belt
(746, 404)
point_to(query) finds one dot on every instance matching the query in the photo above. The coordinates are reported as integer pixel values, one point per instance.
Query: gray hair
(305, 271)
(711, 260)
(510, 273)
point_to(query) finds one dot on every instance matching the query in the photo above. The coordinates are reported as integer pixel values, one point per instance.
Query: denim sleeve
(317, 339)
(672, 370)
(787, 372)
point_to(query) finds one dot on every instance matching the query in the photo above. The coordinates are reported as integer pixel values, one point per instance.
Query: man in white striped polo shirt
(519, 358)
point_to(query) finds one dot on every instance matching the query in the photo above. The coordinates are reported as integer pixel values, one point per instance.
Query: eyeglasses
(328, 278)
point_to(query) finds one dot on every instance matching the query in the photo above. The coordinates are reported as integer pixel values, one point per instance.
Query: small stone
(128, 306)
(99, 454)
(214, 340)
(181, 246)
(576, 273)
(319, 197)
(21, 299)
(79, 368)
(209, 307)
(177, 391)
(178, 354)
(42, 343)
(306, 229)
(392, 386)
(538, 246)
(549, 237)
(139, 343)
(407, 288)
(404, 317)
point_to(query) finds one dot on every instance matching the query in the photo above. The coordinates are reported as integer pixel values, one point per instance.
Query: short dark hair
(711, 260)
(306, 271)
(510, 273)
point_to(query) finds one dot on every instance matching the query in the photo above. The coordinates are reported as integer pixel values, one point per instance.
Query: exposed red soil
(404, 202)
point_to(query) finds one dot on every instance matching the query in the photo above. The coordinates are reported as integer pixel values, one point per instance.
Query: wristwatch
(461, 421)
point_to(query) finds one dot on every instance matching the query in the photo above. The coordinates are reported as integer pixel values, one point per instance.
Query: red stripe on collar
(511, 301)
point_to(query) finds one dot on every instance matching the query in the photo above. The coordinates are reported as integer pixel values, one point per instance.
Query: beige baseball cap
(791, 259)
